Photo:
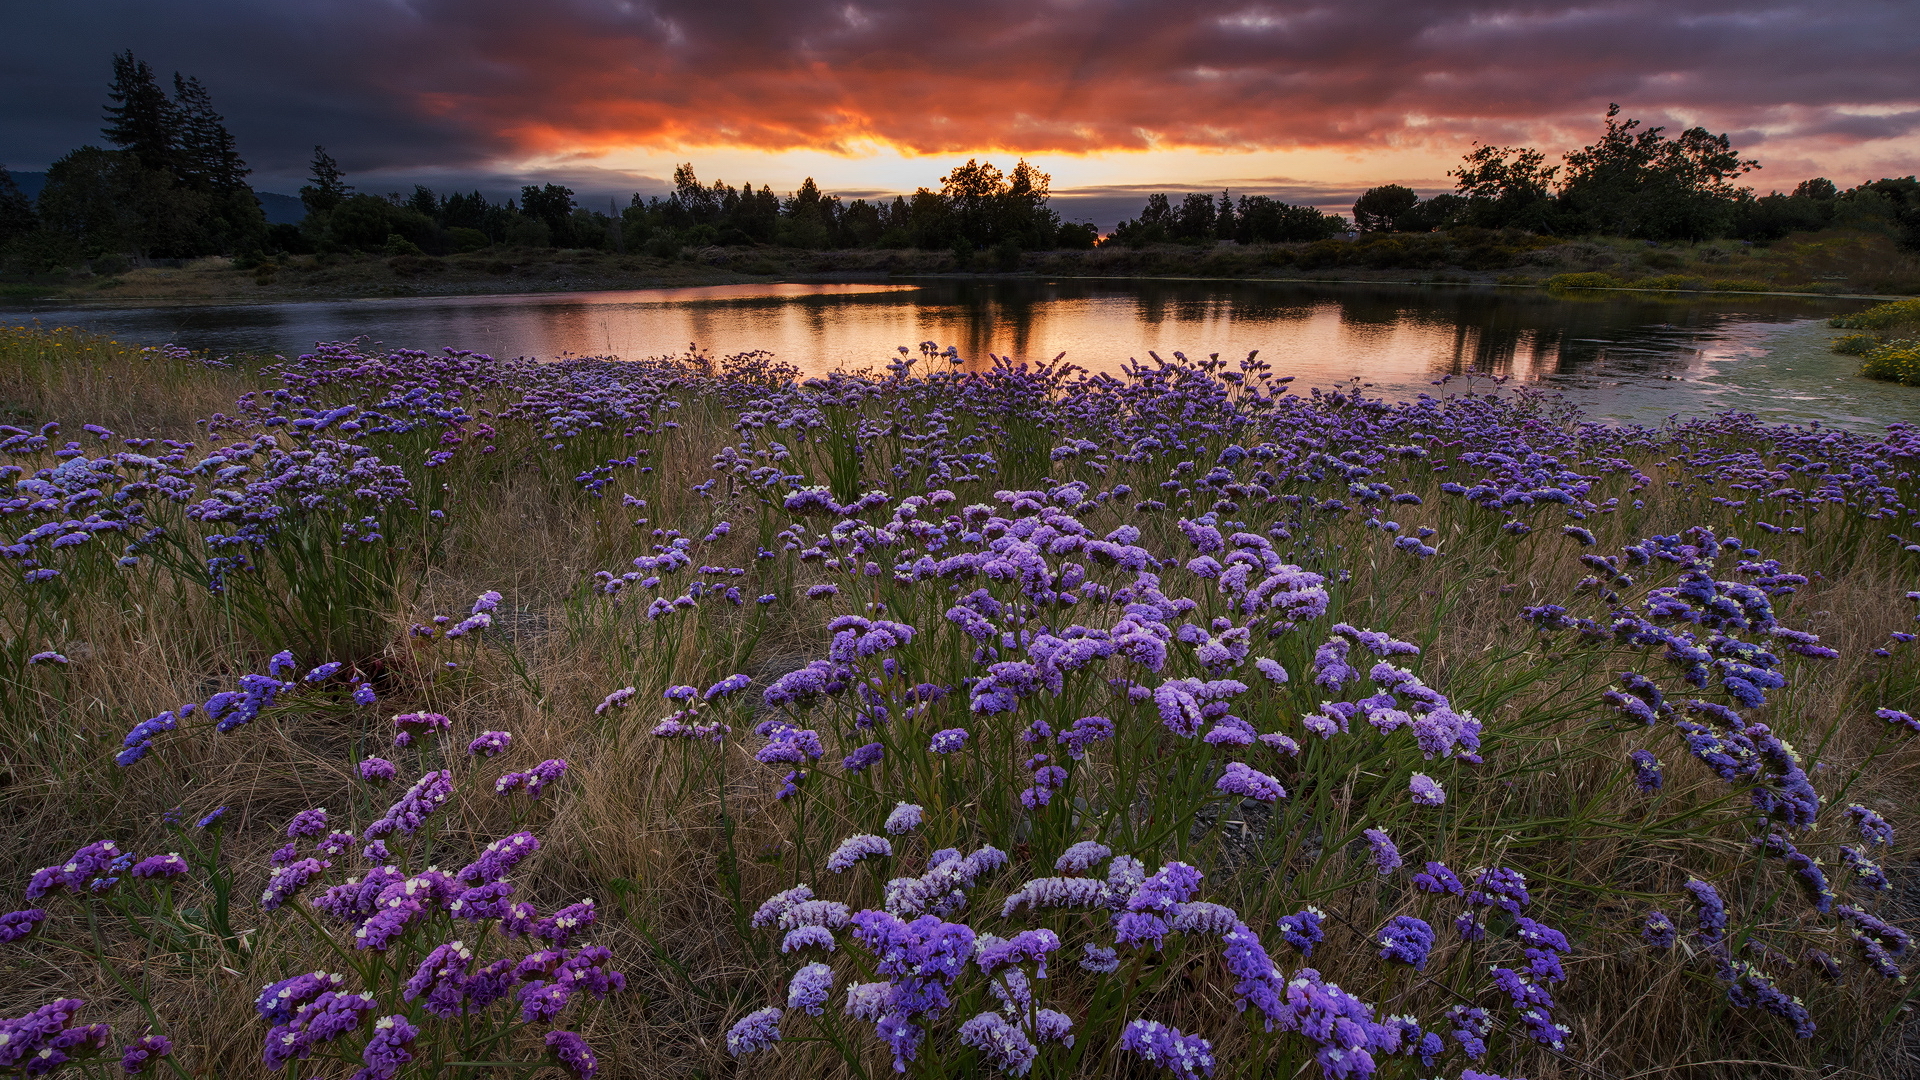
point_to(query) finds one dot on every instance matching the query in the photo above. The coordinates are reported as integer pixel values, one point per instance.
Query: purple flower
(376, 770)
(441, 979)
(408, 725)
(810, 988)
(1439, 880)
(904, 819)
(499, 858)
(732, 684)
(1186, 1056)
(407, 815)
(1302, 929)
(143, 1051)
(1405, 940)
(1274, 673)
(863, 758)
(1425, 790)
(561, 926)
(363, 694)
(534, 780)
(1873, 828)
(307, 823)
(1711, 909)
(160, 866)
(1646, 771)
(569, 1051)
(1386, 857)
(490, 744)
(287, 881)
(855, 848)
(389, 1048)
(948, 741)
(754, 1031)
(15, 925)
(1895, 716)
(1659, 932)
(1239, 779)
(212, 820)
(1004, 1046)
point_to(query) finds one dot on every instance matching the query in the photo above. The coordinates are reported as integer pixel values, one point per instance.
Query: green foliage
(1881, 317)
(1636, 182)
(1378, 208)
(1855, 344)
(1591, 280)
(1897, 361)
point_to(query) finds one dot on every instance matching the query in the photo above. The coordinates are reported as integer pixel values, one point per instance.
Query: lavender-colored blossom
(1659, 931)
(490, 744)
(948, 741)
(1302, 929)
(1185, 1056)
(1711, 910)
(15, 925)
(1239, 779)
(307, 823)
(1425, 790)
(1405, 940)
(144, 1051)
(161, 867)
(1873, 828)
(570, 1052)
(810, 988)
(1386, 857)
(855, 848)
(1646, 771)
(1437, 879)
(904, 818)
(754, 1031)
(1003, 1045)
(863, 757)
(1081, 857)
(389, 1048)
(377, 770)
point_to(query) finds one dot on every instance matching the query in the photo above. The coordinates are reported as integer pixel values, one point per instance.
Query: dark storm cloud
(408, 85)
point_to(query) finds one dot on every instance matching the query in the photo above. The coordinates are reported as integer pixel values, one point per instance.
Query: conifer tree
(329, 186)
(141, 119)
(208, 156)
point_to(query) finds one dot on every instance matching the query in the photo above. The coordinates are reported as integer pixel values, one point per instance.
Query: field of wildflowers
(390, 713)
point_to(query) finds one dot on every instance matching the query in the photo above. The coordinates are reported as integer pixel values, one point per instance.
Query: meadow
(386, 714)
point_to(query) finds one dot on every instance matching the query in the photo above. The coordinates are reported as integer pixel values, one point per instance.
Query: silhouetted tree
(208, 156)
(1377, 209)
(17, 218)
(1636, 182)
(141, 120)
(1506, 187)
(327, 187)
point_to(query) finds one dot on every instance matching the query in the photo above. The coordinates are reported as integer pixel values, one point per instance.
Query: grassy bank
(1886, 338)
(1286, 652)
(1836, 262)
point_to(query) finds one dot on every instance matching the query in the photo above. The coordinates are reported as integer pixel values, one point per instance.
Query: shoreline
(97, 303)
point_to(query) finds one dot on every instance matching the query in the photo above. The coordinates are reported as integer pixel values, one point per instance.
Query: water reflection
(1630, 356)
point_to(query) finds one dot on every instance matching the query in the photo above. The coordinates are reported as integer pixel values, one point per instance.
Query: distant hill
(280, 209)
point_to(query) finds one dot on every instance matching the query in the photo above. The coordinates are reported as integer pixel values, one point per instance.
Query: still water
(1623, 356)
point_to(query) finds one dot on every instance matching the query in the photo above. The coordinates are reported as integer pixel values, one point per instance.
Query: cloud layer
(460, 84)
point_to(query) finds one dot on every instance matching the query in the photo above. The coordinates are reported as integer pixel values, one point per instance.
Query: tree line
(1635, 181)
(173, 185)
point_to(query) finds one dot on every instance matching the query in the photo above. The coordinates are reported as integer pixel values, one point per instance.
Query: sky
(1309, 100)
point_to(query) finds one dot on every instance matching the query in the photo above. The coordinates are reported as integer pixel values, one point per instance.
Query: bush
(1898, 362)
(1592, 279)
(1855, 344)
(465, 240)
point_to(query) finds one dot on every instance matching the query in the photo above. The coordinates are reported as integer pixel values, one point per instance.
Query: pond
(1632, 357)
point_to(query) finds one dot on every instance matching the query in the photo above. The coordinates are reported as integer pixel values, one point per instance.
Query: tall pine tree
(329, 186)
(208, 156)
(140, 119)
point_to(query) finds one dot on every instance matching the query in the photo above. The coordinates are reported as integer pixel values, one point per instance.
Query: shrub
(1897, 361)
